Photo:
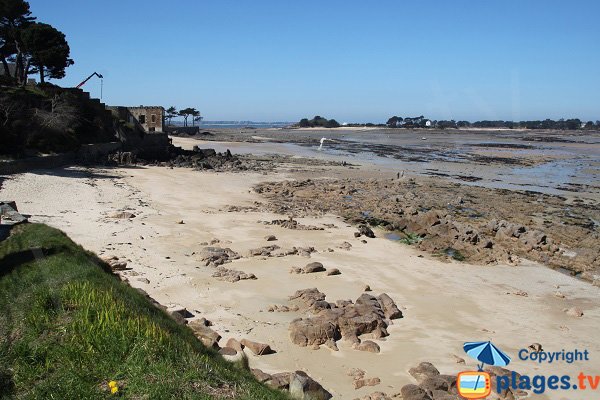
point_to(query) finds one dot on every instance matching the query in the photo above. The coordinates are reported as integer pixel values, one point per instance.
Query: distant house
(149, 118)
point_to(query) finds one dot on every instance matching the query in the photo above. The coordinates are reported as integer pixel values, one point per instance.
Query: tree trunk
(41, 73)
(25, 73)
(18, 63)
(5, 64)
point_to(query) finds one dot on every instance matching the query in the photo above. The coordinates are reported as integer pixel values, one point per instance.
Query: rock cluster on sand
(231, 275)
(291, 223)
(343, 319)
(215, 256)
(309, 268)
(360, 380)
(115, 263)
(478, 224)
(431, 385)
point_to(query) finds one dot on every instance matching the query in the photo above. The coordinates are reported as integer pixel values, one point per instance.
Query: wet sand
(444, 304)
(553, 162)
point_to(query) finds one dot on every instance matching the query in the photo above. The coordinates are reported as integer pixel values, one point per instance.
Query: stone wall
(180, 130)
(150, 118)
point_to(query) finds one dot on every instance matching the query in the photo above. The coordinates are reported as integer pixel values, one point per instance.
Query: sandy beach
(444, 304)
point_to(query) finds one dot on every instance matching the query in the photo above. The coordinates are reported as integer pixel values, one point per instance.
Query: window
(153, 118)
(151, 129)
(142, 119)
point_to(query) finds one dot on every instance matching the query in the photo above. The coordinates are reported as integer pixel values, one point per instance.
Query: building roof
(145, 107)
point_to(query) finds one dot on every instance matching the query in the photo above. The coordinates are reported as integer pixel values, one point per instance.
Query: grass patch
(410, 238)
(68, 328)
(454, 254)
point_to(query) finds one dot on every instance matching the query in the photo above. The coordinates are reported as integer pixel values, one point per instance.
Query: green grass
(68, 327)
(410, 238)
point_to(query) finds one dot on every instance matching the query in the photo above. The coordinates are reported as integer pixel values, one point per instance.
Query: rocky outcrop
(303, 387)
(343, 319)
(231, 275)
(215, 256)
(258, 349)
(435, 386)
(458, 222)
(207, 336)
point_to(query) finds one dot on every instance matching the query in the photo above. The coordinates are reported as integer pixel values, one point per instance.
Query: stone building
(149, 118)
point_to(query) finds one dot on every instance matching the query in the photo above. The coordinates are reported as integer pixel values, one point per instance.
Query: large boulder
(414, 392)
(390, 309)
(423, 371)
(207, 336)
(314, 332)
(342, 319)
(367, 345)
(303, 387)
(257, 348)
(313, 267)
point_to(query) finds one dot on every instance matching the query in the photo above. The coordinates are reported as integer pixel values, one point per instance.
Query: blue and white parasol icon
(487, 353)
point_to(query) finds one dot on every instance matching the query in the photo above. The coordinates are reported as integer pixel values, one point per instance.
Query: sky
(355, 61)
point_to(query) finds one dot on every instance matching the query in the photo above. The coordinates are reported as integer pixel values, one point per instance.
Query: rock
(215, 256)
(441, 395)
(260, 375)
(366, 382)
(180, 222)
(233, 356)
(231, 275)
(345, 246)
(313, 267)
(390, 309)
(314, 332)
(303, 387)
(414, 392)
(264, 251)
(423, 371)
(367, 345)
(574, 312)
(432, 383)
(270, 238)
(559, 295)
(234, 344)
(332, 321)
(367, 288)
(182, 311)
(209, 337)
(535, 347)
(280, 381)
(258, 349)
(122, 215)
(333, 271)
(365, 231)
(178, 318)
(228, 351)
(375, 396)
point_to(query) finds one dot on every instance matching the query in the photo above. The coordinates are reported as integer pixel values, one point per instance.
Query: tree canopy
(318, 121)
(34, 47)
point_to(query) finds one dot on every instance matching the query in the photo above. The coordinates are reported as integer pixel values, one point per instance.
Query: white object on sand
(322, 141)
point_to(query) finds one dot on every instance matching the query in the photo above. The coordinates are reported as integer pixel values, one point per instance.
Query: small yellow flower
(112, 384)
(114, 389)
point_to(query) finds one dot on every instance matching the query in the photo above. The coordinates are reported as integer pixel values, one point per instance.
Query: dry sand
(444, 304)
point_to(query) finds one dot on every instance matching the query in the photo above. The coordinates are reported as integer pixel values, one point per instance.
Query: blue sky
(355, 61)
